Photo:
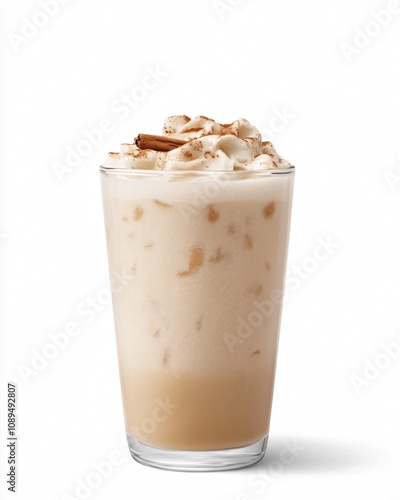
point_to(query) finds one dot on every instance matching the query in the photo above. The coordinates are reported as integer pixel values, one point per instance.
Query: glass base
(197, 461)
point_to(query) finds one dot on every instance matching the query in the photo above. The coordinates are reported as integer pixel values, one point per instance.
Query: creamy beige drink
(198, 227)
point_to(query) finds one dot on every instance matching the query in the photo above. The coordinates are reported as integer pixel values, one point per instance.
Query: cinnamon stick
(157, 142)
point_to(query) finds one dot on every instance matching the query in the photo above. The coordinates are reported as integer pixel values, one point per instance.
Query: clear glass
(197, 263)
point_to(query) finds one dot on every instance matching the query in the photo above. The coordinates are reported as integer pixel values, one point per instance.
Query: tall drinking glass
(200, 258)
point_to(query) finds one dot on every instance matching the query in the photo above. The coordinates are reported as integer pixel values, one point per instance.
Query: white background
(257, 59)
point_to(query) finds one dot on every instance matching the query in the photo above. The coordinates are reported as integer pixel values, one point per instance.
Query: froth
(208, 146)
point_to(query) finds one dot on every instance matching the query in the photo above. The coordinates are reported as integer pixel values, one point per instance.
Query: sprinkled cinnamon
(196, 260)
(162, 203)
(248, 241)
(212, 214)
(138, 212)
(217, 257)
(269, 210)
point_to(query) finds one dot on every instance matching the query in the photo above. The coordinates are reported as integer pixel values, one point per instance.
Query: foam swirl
(209, 146)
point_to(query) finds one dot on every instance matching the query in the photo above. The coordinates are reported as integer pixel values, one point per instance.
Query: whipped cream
(208, 146)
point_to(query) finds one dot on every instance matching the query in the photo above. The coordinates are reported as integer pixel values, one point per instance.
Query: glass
(197, 264)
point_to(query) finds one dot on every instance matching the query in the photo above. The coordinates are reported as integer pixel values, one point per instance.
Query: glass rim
(131, 172)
